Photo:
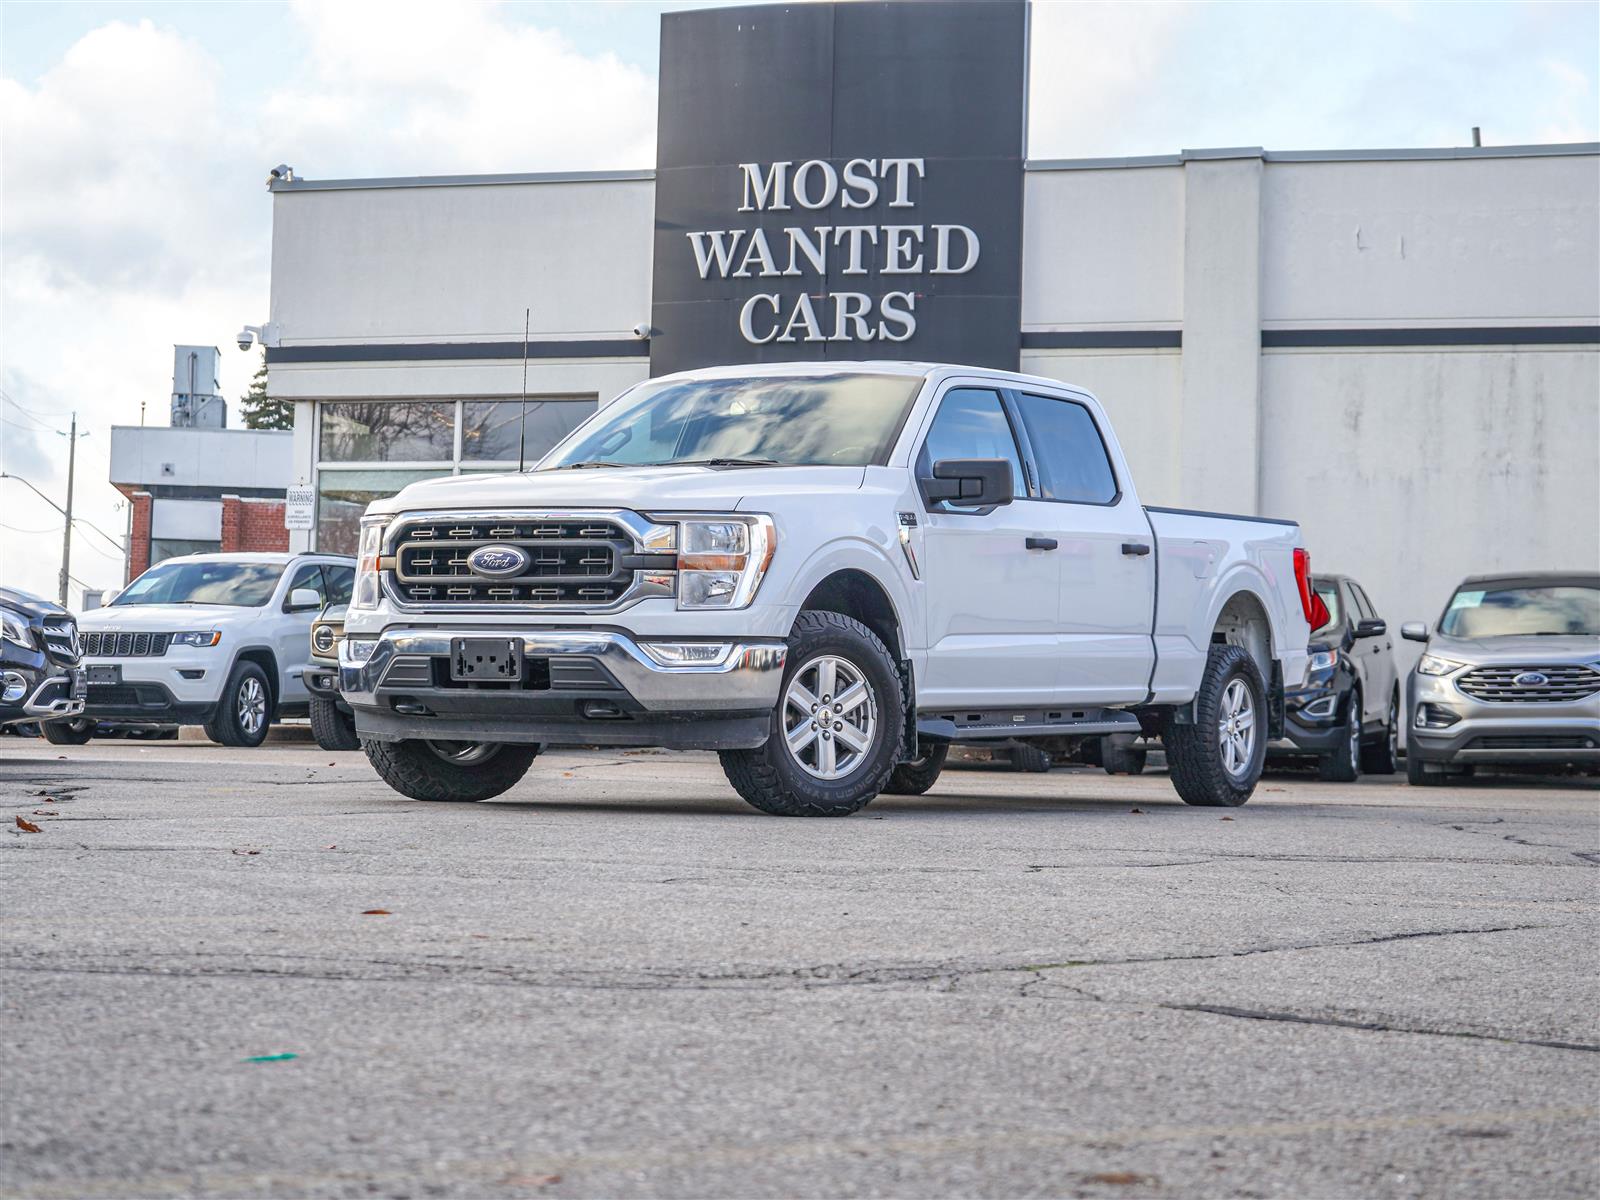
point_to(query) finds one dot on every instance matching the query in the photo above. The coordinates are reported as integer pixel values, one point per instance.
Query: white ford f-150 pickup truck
(828, 573)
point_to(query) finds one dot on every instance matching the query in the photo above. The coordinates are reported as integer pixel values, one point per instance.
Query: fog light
(1321, 708)
(12, 687)
(1435, 716)
(688, 654)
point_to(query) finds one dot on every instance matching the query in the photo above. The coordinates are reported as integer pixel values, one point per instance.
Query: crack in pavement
(1249, 1014)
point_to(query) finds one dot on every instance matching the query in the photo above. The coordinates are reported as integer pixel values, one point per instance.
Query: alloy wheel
(830, 717)
(251, 706)
(1236, 728)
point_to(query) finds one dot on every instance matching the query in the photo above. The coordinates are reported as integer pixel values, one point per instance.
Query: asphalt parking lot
(252, 973)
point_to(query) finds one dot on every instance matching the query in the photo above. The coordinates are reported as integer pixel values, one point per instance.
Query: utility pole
(66, 531)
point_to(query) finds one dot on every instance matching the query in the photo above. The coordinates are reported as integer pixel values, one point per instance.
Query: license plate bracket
(104, 673)
(80, 685)
(486, 660)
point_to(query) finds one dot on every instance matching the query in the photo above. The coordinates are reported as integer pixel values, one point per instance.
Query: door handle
(1135, 548)
(1040, 543)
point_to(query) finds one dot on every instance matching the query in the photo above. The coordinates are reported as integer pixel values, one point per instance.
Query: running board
(966, 725)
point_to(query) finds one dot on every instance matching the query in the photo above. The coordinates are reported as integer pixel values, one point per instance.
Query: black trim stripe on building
(1102, 339)
(1479, 335)
(440, 351)
(1039, 339)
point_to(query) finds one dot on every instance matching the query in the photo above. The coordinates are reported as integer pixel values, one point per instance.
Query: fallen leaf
(27, 826)
(1125, 1177)
(1140, 811)
(333, 764)
(1224, 818)
(566, 774)
(46, 812)
(376, 912)
(247, 852)
(330, 847)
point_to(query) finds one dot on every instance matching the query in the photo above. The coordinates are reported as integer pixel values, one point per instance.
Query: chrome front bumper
(53, 700)
(747, 680)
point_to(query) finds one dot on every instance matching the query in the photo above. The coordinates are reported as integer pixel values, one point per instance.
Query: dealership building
(1399, 348)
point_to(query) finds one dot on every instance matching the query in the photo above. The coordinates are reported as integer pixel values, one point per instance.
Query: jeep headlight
(324, 640)
(14, 628)
(1430, 664)
(197, 637)
(365, 593)
(722, 558)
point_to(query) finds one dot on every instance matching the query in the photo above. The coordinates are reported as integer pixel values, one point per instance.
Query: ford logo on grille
(498, 562)
(1531, 679)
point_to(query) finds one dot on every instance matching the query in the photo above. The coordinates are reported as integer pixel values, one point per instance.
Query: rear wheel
(1215, 760)
(1382, 756)
(244, 713)
(1343, 765)
(68, 733)
(333, 728)
(1421, 774)
(1119, 755)
(835, 731)
(452, 771)
(917, 775)
(1029, 758)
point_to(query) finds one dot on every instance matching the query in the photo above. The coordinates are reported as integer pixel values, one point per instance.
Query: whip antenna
(522, 423)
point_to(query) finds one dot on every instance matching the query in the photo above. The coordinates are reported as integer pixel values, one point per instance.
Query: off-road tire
(1418, 775)
(769, 778)
(413, 769)
(68, 733)
(1344, 764)
(1380, 757)
(917, 775)
(1194, 758)
(333, 728)
(223, 727)
(1029, 758)
(1121, 757)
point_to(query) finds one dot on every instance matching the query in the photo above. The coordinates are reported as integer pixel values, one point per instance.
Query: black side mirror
(970, 482)
(1371, 627)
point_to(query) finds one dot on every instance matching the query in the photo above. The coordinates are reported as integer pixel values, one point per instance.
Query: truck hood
(1517, 649)
(660, 489)
(163, 618)
(28, 604)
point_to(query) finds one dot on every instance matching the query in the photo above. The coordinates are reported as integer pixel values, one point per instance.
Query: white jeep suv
(218, 640)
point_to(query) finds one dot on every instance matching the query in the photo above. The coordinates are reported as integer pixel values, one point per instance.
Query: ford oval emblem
(1531, 679)
(498, 562)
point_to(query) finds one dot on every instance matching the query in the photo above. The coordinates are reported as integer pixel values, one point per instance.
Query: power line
(18, 529)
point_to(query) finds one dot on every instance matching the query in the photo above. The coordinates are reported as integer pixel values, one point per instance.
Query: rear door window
(1068, 450)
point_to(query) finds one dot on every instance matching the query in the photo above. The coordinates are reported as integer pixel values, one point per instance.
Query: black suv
(1347, 713)
(40, 679)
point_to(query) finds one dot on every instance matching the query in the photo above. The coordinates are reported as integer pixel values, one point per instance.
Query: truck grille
(1539, 685)
(576, 562)
(61, 640)
(125, 645)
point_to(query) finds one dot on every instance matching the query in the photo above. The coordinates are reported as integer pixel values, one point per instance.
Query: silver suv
(1511, 675)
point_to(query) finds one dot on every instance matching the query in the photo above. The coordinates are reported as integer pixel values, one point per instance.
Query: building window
(165, 548)
(388, 431)
(494, 430)
(370, 449)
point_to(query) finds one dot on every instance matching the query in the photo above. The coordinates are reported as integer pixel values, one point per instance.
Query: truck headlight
(722, 559)
(197, 637)
(324, 640)
(14, 628)
(365, 593)
(1430, 664)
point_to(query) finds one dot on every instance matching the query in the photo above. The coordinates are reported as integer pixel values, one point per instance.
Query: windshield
(1514, 611)
(830, 420)
(236, 584)
(1329, 591)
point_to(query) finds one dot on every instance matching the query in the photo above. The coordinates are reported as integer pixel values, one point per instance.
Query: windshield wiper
(719, 462)
(581, 466)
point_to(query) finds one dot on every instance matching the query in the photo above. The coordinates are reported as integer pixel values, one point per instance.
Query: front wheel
(836, 728)
(1215, 759)
(244, 712)
(333, 728)
(1343, 764)
(1382, 757)
(68, 733)
(457, 771)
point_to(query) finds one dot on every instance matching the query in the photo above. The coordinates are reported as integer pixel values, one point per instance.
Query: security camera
(282, 171)
(642, 331)
(245, 337)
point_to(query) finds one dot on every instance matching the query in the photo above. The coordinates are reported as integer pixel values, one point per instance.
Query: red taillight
(1310, 603)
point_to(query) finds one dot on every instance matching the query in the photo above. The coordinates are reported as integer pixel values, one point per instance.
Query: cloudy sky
(136, 139)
